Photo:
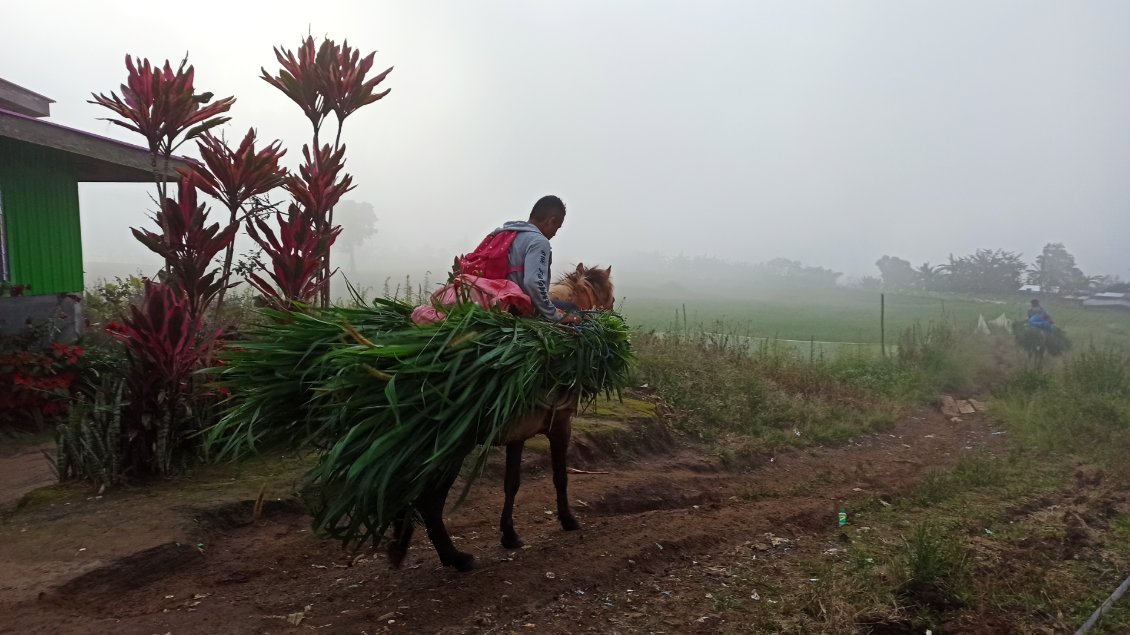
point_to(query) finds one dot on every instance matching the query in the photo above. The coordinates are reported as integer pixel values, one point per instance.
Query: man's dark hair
(547, 207)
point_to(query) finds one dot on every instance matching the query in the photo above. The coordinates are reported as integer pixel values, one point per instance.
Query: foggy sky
(828, 132)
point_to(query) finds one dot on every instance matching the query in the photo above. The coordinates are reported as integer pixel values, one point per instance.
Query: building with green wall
(41, 165)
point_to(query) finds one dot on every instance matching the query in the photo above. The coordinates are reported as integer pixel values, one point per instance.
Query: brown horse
(588, 289)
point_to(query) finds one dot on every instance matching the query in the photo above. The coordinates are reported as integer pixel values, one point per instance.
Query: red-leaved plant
(320, 183)
(327, 78)
(163, 106)
(36, 381)
(162, 335)
(295, 251)
(188, 246)
(300, 246)
(236, 177)
(165, 343)
(323, 79)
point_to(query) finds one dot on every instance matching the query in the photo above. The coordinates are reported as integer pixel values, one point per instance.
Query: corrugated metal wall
(40, 199)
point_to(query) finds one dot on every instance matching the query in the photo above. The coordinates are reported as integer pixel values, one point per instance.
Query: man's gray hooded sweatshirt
(531, 257)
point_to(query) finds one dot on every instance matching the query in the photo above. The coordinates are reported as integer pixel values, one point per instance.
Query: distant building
(1109, 299)
(1030, 288)
(41, 165)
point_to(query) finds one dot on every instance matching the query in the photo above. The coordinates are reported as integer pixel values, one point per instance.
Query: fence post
(883, 324)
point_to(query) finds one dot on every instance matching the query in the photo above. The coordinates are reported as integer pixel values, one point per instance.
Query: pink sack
(486, 292)
(427, 314)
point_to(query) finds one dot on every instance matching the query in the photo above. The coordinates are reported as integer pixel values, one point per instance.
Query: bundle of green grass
(392, 407)
(1053, 341)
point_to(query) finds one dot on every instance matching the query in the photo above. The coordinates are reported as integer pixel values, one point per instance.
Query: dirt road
(657, 531)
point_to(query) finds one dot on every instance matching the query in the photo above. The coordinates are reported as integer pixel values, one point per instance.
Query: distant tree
(897, 273)
(711, 274)
(1111, 284)
(781, 268)
(797, 273)
(929, 278)
(1055, 269)
(821, 276)
(1093, 283)
(358, 223)
(985, 271)
(869, 283)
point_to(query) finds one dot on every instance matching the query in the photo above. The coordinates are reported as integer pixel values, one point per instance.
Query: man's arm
(535, 278)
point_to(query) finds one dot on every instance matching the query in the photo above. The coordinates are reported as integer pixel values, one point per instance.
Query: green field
(844, 315)
(830, 317)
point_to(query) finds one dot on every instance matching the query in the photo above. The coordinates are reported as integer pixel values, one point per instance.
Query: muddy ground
(663, 522)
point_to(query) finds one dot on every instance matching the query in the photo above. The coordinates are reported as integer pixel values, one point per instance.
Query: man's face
(553, 225)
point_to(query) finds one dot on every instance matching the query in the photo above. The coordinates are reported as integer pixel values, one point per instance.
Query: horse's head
(590, 288)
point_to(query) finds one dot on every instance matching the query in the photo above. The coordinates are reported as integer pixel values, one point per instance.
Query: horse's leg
(510, 538)
(431, 508)
(402, 528)
(560, 430)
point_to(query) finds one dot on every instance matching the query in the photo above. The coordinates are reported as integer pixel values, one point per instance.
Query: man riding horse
(520, 252)
(1038, 316)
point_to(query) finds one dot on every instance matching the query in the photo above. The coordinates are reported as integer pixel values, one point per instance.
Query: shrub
(37, 377)
(89, 440)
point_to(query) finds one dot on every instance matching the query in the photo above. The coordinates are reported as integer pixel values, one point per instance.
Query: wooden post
(883, 324)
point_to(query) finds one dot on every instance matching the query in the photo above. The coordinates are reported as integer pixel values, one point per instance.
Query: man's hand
(571, 318)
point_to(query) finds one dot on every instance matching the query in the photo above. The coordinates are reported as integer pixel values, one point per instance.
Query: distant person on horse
(1039, 317)
(529, 257)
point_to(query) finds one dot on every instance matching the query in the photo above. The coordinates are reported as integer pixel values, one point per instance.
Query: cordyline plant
(324, 79)
(163, 106)
(295, 251)
(165, 344)
(320, 183)
(236, 177)
(188, 246)
(327, 78)
(300, 246)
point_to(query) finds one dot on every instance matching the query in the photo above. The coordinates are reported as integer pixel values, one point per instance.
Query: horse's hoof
(569, 523)
(512, 541)
(395, 556)
(461, 561)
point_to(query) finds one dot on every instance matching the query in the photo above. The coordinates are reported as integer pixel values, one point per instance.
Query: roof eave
(19, 99)
(95, 158)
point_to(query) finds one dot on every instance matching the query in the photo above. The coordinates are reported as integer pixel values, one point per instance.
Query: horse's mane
(588, 287)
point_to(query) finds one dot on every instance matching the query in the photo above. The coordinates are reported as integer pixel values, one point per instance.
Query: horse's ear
(608, 271)
(580, 267)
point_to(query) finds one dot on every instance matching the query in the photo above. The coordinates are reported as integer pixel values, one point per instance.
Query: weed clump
(935, 567)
